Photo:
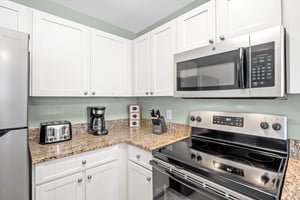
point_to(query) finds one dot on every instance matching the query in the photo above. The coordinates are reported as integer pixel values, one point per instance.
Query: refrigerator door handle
(3, 132)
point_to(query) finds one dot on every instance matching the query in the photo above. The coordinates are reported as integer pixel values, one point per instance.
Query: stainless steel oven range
(236, 156)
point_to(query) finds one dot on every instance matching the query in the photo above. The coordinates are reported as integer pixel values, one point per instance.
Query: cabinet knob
(89, 177)
(79, 180)
(211, 41)
(83, 162)
(138, 156)
(222, 37)
(148, 178)
(85, 93)
(151, 93)
(93, 93)
(147, 93)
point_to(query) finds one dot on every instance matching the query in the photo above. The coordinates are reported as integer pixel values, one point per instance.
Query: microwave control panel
(262, 65)
(228, 121)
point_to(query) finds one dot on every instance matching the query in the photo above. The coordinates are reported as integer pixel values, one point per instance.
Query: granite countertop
(83, 142)
(291, 187)
(144, 139)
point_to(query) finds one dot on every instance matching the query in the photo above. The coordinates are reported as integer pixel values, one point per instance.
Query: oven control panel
(228, 121)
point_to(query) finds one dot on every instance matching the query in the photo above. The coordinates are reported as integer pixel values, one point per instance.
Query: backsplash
(181, 108)
(74, 109)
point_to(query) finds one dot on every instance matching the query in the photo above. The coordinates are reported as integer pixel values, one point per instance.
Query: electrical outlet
(168, 114)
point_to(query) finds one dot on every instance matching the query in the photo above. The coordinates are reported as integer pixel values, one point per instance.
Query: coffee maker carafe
(96, 120)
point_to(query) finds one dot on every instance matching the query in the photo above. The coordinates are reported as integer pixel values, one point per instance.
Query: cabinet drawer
(61, 167)
(140, 156)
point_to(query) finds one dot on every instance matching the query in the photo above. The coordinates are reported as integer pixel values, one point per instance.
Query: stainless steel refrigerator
(14, 173)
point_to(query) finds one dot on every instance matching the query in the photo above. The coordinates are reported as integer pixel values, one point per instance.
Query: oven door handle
(200, 190)
(240, 68)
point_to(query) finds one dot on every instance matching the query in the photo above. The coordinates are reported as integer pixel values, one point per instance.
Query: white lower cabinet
(139, 182)
(102, 182)
(120, 172)
(88, 176)
(139, 170)
(67, 188)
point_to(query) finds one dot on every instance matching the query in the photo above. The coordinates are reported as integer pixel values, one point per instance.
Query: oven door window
(168, 187)
(216, 72)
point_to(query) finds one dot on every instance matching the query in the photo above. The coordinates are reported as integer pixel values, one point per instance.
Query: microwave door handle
(241, 63)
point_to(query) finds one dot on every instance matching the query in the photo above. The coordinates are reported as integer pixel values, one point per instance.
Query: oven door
(218, 70)
(170, 186)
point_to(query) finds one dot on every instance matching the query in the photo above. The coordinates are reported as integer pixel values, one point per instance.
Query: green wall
(74, 109)
(179, 12)
(70, 14)
(182, 107)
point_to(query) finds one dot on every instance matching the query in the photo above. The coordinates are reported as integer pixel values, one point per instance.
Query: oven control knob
(192, 118)
(264, 125)
(198, 119)
(264, 179)
(193, 156)
(276, 126)
(199, 158)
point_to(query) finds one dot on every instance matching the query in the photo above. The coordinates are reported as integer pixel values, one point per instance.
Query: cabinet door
(60, 57)
(163, 47)
(13, 16)
(110, 65)
(197, 27)
(141, 54)
(139, 182)
(239, 17)
(68, 188)
(102, 182)
(291, 16)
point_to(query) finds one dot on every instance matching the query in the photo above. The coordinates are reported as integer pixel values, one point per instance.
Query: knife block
(159, 125)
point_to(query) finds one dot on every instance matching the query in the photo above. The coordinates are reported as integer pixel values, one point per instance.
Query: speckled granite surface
(82, 141)
(143, 138)
(291, 187)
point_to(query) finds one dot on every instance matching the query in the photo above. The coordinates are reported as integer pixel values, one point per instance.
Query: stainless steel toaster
(55, 131)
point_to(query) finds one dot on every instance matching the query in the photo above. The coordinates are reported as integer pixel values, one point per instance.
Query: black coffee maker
(96, 120)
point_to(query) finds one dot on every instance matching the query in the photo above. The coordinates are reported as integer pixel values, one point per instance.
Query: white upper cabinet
(197, 27)
(153, 62)
(291, 16)
(239, 17)
(60, 57)
(13, 16)
(141, 54)
(111, 68)
(163, 47)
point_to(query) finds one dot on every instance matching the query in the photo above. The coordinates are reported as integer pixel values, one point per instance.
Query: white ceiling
(133, 15)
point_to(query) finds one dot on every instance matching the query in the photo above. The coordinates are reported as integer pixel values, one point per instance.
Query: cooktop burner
(236, 159)
(259, 157)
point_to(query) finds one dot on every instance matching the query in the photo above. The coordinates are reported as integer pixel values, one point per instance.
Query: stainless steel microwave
(249, 66)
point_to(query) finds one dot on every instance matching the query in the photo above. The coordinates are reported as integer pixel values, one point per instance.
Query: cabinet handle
(93, 93)
(89, 177)
(211, 41)
(222, 37)
(147, 93)
(151, 93)
(79, 180)
(83, 162)
(148, 178)
(85, 93)
(138, 156)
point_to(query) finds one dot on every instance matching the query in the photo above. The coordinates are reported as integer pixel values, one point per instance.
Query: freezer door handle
(3, 132)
